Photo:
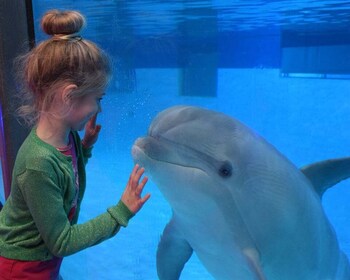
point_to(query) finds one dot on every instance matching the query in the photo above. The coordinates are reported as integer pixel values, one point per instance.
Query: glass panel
(161, 50)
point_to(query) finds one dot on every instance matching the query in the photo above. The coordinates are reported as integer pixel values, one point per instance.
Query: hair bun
(62, 22)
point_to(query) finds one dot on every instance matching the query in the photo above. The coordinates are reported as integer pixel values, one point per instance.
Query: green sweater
(33, 221)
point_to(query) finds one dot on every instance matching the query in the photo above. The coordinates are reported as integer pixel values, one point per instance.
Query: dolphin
(238, 203)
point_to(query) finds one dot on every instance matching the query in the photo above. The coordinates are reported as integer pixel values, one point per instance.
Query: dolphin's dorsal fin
(327, 173)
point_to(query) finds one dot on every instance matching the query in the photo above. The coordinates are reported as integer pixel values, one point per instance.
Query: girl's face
(83, 109)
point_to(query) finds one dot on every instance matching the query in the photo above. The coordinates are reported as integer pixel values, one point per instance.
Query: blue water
(306, 119)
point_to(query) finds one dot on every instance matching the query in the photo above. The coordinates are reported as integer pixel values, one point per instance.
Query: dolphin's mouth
(161, 149)
(167, 151)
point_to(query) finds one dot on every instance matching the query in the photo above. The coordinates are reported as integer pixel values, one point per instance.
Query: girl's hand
(91, 132)
(132, 193)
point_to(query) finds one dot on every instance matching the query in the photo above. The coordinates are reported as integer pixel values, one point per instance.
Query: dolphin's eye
(225, 170)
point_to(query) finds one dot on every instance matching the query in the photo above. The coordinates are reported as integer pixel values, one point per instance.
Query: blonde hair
(65, 58)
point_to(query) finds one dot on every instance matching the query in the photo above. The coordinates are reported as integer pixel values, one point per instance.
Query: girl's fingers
(132, 194)
(133, 172)
(93, 120)
(145, 198)
(137, 175)
(98, 128)
(140, 186)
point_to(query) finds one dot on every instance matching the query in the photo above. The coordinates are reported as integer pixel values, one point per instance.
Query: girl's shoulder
(37, 154)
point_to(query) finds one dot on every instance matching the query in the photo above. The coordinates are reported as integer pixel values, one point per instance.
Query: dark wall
(16, 37)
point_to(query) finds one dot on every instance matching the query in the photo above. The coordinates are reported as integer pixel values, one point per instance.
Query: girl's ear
(66, 93)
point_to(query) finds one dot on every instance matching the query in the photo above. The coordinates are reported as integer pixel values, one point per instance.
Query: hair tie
(73, 36)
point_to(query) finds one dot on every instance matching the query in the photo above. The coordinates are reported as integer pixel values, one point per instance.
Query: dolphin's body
(241, 206)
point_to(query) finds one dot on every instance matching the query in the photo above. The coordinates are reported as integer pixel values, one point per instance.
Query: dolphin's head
(206, 162)
(191, 147)
(213, 170)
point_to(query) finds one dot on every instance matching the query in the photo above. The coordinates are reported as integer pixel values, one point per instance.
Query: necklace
(65, 149)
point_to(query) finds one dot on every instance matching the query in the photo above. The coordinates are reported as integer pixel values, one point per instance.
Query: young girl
(65, 77)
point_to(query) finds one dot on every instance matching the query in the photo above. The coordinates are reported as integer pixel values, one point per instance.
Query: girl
(65, 77)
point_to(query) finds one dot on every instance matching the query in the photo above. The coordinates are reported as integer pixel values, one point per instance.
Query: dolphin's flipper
(173, 253)
(327, 173)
